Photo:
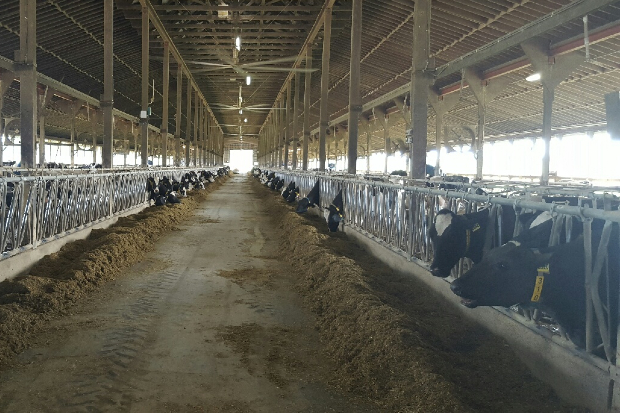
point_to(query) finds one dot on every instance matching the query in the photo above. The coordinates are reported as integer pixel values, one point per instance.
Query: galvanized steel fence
(36, 209)
(399, 217)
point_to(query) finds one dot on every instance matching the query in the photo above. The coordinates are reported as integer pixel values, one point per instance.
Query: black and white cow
(464, 236)
(288, 189)
(279, 185)
(551, 279)
(336, 213)
(292, 196)
(311, 200)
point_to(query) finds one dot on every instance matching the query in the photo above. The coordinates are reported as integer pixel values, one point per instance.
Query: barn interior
(403, 107)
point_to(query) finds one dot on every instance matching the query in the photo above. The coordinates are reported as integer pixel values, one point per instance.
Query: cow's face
(302, 206)
(506, 276)
(448, 235)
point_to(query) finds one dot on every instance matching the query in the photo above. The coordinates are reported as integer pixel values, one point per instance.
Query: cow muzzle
(457, 289)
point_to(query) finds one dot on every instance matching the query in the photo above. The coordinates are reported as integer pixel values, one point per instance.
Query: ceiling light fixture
(533, 78)
(238, 42)
(245, 120)
(241, 111)
(248, 80)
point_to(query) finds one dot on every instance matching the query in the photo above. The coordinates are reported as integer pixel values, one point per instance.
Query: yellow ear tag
(538, 287)
(476, 227)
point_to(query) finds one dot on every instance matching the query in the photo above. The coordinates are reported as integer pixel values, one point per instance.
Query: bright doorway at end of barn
(241, 160)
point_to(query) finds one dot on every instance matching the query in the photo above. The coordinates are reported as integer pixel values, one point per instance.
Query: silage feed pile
(59, 279)
(392, 338)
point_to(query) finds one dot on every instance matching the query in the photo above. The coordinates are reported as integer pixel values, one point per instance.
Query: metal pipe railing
(36, 209)
(399, 217)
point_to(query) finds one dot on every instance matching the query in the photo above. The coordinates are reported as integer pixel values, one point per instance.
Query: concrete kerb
(22, 262)
(576, 377)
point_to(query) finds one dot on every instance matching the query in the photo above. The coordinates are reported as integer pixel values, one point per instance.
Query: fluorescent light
(245, 120)
(533, 78)
(238, 43)
(241, 111)
(248, 80)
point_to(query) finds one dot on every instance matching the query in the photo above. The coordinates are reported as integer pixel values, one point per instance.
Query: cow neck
(337, 210)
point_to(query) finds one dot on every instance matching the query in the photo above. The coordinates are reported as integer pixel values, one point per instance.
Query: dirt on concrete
(208, 321)
(60, 279)
(252, 275)
(393, 339)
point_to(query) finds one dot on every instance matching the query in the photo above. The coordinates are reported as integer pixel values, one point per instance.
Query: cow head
(448, 234)
(334, 218)
(506, 276)
(302, 206)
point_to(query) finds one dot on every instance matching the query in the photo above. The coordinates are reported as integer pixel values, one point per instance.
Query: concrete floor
(209, 321)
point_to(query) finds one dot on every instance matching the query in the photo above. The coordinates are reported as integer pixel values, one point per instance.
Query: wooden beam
(301, 56)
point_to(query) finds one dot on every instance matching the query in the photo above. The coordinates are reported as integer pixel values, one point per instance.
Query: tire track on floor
(121, 351)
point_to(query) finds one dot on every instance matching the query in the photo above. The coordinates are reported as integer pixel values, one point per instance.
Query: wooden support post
(296, 118)
(188, 131)
(42, 102)
(324, 115)
(420, 82)
(388, 145)
(41, 140)
(307, 94)
(355, 97)
(6, 78)
(178, 117)
(368, 139)
(26, 60)
(166, 99)
(279, 130)
(553, 72)
(441, 105)
(107, 101)
(144, 121)
(197, 103)
(287, 135)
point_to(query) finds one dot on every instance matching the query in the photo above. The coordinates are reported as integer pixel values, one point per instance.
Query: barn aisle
(207, 322)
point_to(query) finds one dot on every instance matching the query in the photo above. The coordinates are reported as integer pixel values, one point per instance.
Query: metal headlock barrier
(39, 206)
(399, 217)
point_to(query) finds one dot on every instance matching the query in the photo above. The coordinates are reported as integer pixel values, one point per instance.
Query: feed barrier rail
(39, 209)
(399, 217)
